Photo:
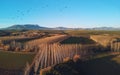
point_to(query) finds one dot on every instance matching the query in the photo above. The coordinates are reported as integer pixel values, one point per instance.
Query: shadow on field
(77, 40)
(101, 66)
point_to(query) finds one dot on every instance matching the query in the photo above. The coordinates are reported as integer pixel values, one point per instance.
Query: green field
(77, 40)
(9, 60)
(102, 65)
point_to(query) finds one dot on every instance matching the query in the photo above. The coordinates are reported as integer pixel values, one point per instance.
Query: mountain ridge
(25, 27)
(38, 27)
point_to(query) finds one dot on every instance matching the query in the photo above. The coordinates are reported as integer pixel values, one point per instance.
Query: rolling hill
(25, 27)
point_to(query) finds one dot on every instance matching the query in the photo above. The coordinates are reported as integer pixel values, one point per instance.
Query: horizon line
(63, 26)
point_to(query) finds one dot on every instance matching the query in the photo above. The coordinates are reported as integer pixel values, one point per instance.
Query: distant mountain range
(26, 27)
(37, 27)
(32, 27)
(104, 28)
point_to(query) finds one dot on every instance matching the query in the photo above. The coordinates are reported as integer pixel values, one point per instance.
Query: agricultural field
(102, 64)
(13, 60)
(57, 46)
(91, 32)
(77, 40)
(48, 40)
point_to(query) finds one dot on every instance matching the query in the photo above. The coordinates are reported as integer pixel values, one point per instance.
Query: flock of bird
(23, 13)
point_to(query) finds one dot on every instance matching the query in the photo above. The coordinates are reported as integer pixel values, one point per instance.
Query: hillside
(25, 27)
(4, 33)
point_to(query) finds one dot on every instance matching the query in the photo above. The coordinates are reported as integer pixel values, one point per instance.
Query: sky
(65, 13)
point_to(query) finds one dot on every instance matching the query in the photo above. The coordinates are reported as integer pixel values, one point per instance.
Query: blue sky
(54, 13)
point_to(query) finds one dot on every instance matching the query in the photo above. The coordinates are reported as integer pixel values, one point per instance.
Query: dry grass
(104, 40)
(47, 40)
